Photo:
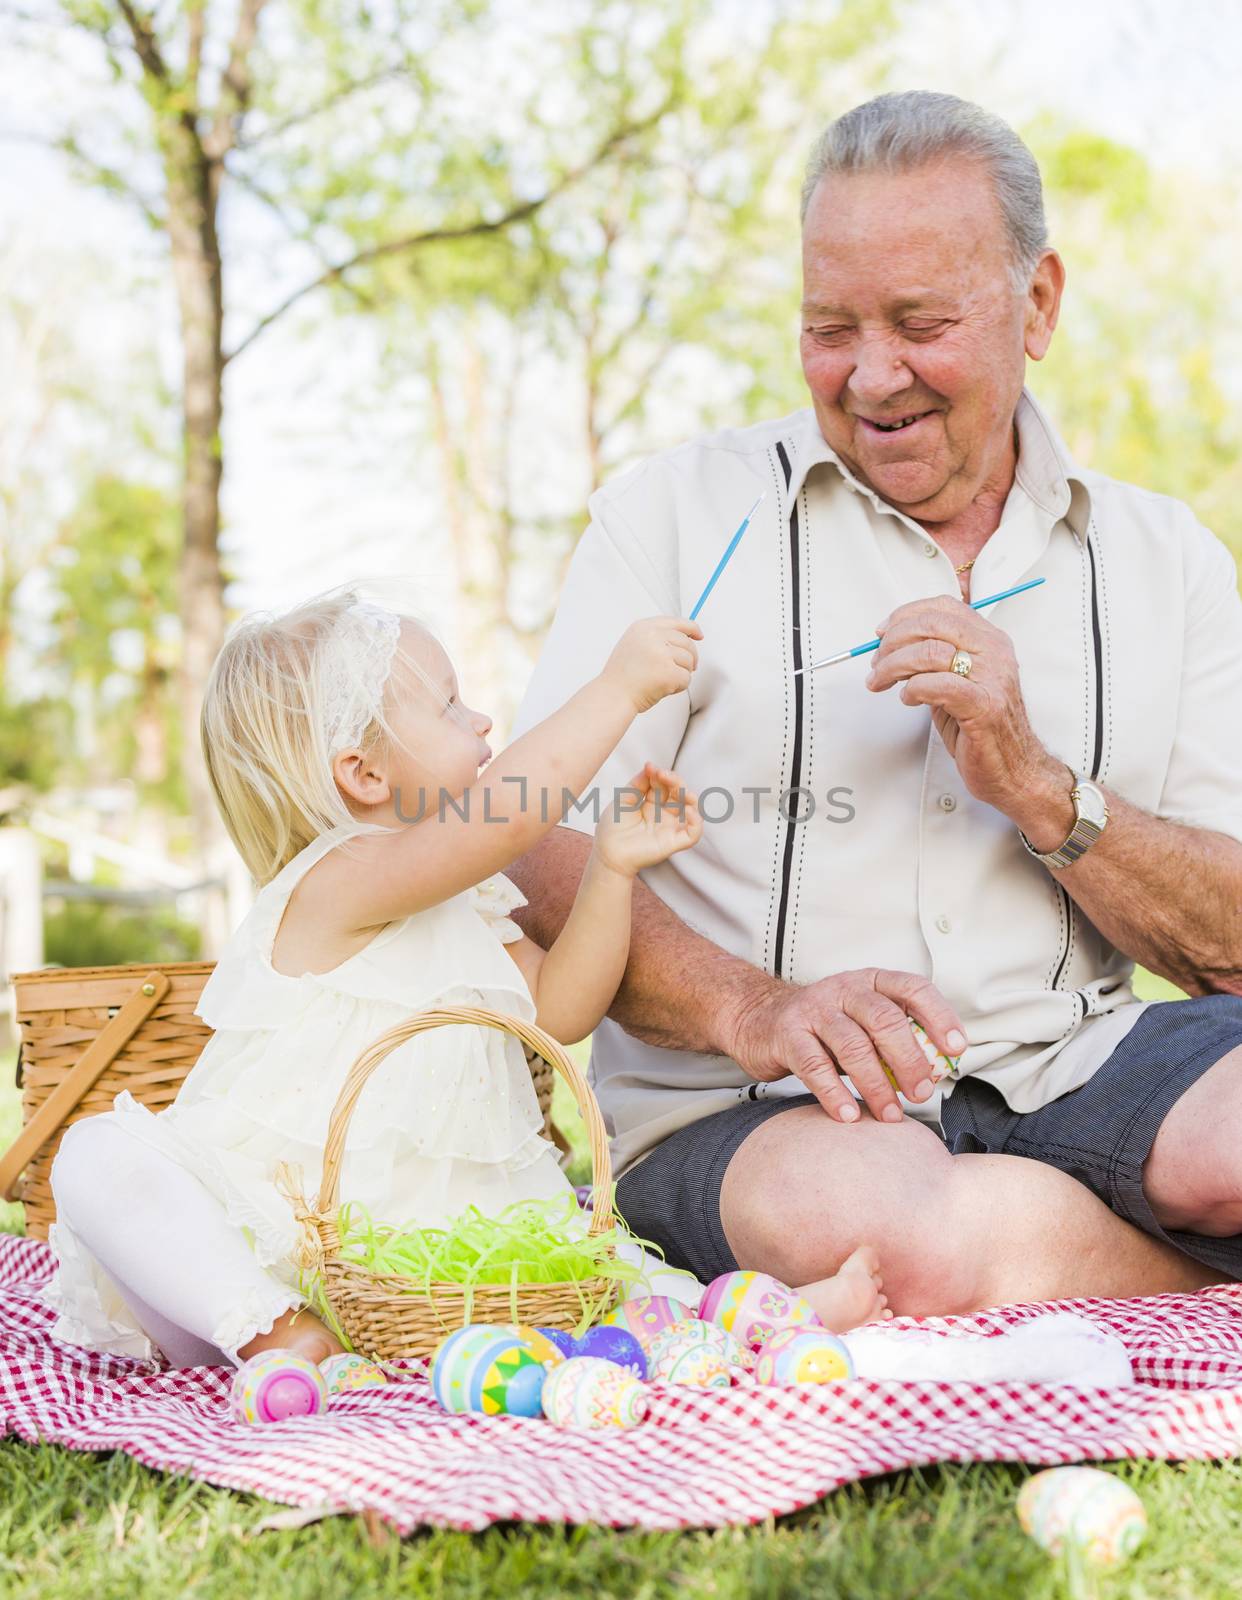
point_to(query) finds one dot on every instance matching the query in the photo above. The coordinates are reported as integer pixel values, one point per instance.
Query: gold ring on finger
(961, 663)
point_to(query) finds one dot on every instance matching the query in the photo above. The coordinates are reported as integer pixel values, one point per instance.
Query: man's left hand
(981, 717)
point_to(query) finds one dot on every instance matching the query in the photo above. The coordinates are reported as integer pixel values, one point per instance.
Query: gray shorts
(1100, 1134)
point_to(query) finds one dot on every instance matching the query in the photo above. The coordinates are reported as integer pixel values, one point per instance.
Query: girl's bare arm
(524, 790)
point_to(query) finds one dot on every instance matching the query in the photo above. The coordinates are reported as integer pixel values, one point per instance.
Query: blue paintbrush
(724, 560)
(862, 649)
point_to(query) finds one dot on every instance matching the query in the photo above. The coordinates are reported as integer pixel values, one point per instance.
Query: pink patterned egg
(588, 1392)
(754, 1306)
(647, 1316)
(276, 1385)
(803, 1355)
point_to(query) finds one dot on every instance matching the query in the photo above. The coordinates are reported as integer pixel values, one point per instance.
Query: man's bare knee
(802, 1192)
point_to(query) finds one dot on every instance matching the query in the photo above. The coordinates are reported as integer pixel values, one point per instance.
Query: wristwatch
(1091, 814)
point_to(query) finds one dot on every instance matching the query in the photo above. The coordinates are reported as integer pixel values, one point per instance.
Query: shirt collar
(1046, 472)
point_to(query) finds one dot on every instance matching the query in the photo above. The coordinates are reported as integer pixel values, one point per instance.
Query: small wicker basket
(386, 1317)
(87, 1033)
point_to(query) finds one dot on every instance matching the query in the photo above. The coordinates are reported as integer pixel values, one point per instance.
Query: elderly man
(982, 825)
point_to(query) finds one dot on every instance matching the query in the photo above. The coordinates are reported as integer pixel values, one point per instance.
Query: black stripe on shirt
(1097, 742)
(795, 764)
(1099, 662)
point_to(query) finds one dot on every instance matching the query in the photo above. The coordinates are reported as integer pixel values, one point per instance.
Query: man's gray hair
(899, 132)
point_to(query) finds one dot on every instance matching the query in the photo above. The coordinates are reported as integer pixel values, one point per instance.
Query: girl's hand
(653, 658)
(631, 835)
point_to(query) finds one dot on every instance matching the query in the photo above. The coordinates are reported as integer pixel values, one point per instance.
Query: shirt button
(948, 803)
(943, 924)
(930, 550)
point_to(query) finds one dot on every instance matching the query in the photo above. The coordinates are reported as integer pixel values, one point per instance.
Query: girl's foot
(298, 1331)
(853, 1295)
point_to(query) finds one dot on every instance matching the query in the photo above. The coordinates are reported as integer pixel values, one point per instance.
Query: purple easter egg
(615, 1345)
(563, 1341)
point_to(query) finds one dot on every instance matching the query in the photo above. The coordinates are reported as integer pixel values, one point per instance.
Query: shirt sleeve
(611, 583)
(1203, 786)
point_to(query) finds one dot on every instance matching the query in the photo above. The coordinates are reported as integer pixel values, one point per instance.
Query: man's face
(908, 310)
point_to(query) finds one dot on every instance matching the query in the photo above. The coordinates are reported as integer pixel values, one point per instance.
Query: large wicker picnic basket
(87, 1033)
(387, 1317)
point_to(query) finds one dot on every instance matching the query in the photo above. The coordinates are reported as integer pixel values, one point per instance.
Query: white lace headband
(355, 661)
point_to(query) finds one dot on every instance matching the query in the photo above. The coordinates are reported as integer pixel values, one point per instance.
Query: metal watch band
(1082, 835)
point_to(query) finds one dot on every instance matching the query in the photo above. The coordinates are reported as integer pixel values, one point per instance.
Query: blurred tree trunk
(193, 189)
(192, 141)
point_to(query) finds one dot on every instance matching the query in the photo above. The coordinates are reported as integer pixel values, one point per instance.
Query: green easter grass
(101, 1525)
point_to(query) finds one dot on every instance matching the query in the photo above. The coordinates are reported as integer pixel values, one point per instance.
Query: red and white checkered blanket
(702, 1459)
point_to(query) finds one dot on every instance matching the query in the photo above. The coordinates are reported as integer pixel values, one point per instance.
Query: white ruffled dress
(448, 1120)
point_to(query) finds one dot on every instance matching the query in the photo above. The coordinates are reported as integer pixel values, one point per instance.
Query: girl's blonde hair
(263, 733)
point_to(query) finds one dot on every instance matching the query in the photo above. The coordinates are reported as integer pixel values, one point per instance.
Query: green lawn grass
(75, 1525)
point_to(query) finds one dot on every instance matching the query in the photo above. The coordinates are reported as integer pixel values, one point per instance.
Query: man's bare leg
(953, 1233)
(1193, 1176)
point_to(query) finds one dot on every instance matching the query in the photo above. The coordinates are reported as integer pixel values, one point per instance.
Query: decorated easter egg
(275, 1385)
(734, 1351)
(1085, 1508)
(546, 1350)
(729, 1345)
(563, 1341)
(691, 1358)
(938, 1065)
(350, 1371)
(587, 1392)
(754, 1306)
(647, 1316)
(487, 1368)
(690, 1327)
(803, 1355)
(613, 1344)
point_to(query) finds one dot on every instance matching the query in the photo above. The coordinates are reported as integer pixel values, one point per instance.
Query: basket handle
(67, 1096)
(543, 1044)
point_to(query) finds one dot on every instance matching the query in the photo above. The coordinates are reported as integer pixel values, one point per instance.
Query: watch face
(1091, 803)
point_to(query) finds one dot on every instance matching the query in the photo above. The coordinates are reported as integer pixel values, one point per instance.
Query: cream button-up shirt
(838, 833)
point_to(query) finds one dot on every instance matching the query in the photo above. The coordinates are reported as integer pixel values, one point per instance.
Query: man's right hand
(845, 1024)
(653, 658)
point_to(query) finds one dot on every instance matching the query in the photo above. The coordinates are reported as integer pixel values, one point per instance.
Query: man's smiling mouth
(897, 423)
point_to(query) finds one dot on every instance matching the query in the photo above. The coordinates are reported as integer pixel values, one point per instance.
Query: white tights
(182, 1268)
(164, 1240)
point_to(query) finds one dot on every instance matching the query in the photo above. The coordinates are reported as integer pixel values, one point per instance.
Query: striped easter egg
(489, 1369)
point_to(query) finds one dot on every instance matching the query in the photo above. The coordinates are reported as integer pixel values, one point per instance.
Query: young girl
(361, 793)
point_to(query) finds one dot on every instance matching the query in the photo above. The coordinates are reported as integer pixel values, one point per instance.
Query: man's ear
(360, 778)
(1043, 304)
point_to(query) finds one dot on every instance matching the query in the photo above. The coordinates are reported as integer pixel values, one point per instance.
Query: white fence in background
(21, 916)
(216, 902)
